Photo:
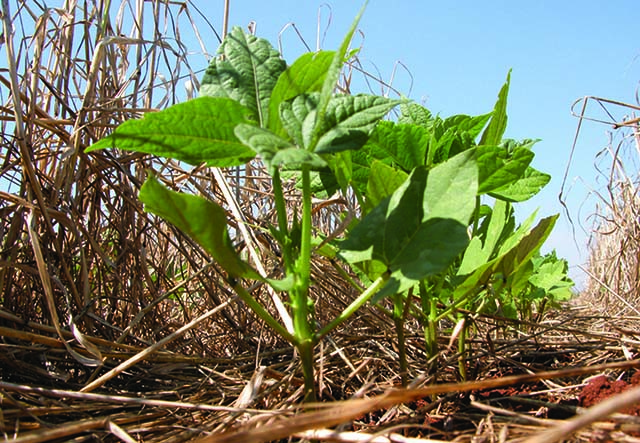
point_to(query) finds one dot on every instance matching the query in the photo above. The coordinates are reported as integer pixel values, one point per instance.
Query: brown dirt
(602, 387)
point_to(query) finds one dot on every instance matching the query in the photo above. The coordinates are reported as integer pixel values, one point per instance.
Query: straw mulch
(614, 246)
(114, 326)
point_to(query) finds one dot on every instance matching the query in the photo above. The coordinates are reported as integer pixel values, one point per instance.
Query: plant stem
(429, 307)
(283, 228)
(462, 350)
(261, 311)
(305, 349)
(303, 265)
(300, 303)
(476, 216)
(353, 307)
(398, 321)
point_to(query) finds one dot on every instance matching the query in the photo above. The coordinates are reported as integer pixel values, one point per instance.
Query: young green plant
(252, 104)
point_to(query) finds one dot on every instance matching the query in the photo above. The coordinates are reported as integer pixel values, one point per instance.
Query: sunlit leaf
(417, 240)
(246, 71)
(197, 131)
(498, 124)
(500, 168)
(524, 188)
(304, 76)
(383, 181)
(349, 120)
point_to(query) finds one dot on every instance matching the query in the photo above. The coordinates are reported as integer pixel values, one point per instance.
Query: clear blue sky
(459, 54)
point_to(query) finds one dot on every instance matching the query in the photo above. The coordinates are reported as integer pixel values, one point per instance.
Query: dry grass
(613, 268)
(116, 327)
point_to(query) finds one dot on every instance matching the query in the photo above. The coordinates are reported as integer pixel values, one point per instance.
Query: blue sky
(459, 53)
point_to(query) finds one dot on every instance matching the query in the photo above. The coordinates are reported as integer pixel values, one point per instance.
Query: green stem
(303, 265)
(459, 303)
(398, 320)
(300, 303)
(353, 307)
(462, 350)
(476, 216)
(345, 276)
(283, 228)
(261, 311)
(430, 309)
(305, 350)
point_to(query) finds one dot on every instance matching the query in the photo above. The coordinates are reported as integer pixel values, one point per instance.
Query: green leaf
(528, 246)
(413, 240)
(405, 144)
(519, 280)
(383, 181)
(498, 124)
(414, 114)
(201, 219)
(293, 158)
(471, 126)
(199, 130)
(298, 117)
(304, 76)
(342, 167)
(499, 168)
(331, 79)
(513, 254)
(479, 252)
(276, 151)
(548, 275)
(452, 136)
(526, 187)
(246, 71)
(349, 120)
(286, 284)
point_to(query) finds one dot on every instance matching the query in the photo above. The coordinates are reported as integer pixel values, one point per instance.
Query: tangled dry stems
(93, 285)
(613, 267)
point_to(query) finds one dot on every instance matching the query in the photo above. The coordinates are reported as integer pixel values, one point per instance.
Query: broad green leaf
(518, 281)
(342, 166)
(499, 168)
(263, 141)
(405, 144)
(304, 76)
(414, 114)
(479, 252)
(469, 125)
(286, 284)
(526, 187)
(293, 158)
(298, 117)
(197, 131)
(331, 79)
(447, 139)
(348, 121)
(449, 188)
(413, 240)
(361, 161)
(517, 234)
(201, 219)
(383, 181)
(246, 71)
(498, 124)
(549, 275)
(528, 246)
(276, 151)
(520, 248)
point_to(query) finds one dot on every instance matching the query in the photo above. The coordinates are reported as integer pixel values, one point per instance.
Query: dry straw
(613, 268)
